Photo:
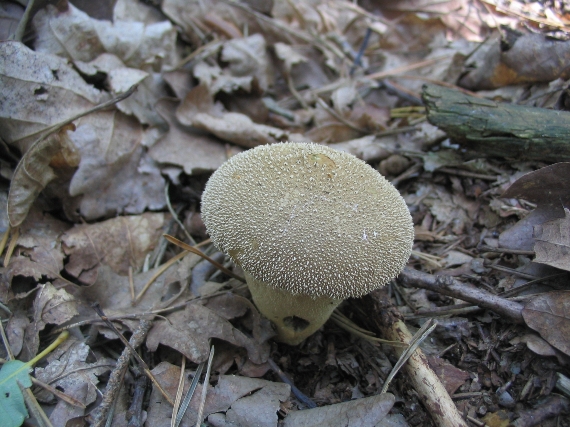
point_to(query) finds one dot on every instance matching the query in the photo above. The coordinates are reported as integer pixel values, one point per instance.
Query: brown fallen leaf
(115, 175)
(68, 367)
(234, 401)
(451, 377)
(51, 306)
(71, 33)
(548, 188)
(188, 331)
(552, 242)
(113, 293)
(365, 412)
(185, 147)
(33, 87)
(548, 314)
(239, 129)
(120, 243)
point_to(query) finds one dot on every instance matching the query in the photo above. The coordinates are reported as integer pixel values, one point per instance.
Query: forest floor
(114, 114)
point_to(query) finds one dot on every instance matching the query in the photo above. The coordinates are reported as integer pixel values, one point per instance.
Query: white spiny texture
(308, 219)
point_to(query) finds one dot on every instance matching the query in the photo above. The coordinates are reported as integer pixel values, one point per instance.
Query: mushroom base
(295, 316)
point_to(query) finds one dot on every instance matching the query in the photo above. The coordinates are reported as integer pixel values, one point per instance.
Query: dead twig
(450, 286)
(116, 378)
(430, 390)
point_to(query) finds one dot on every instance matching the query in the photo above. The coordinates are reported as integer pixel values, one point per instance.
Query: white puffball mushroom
(310, 226)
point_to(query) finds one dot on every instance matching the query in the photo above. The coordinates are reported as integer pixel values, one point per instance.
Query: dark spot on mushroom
(296, 323)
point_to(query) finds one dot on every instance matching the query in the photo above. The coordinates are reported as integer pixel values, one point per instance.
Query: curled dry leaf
(51, 306)
(239, 129)
(248, 57)
(234, 401)
(33, 173)
(548, 315)
(120, 243)
(34, 85)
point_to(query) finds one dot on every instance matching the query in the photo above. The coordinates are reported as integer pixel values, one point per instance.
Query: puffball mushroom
(310, 226)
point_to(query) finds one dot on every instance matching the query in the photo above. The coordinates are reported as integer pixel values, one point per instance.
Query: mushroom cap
(308, 219)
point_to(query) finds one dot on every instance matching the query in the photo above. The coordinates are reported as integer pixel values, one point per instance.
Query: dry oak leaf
(548, 314)
(38, 90)
(51, 306)
(185, 147)
(245, 401)
(188, 331)
(73, 34)
(38, 252)
(115, 176)
(120, 243)
(68, 368)
(552, 242)
(365, 412)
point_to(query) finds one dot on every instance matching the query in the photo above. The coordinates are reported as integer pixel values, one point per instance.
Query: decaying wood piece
(496, 129)
(431, 391)
(452, 287)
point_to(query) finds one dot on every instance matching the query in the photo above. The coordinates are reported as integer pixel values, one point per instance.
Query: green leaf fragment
(12, 407)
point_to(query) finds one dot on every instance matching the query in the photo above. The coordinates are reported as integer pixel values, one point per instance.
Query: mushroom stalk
(295, 316)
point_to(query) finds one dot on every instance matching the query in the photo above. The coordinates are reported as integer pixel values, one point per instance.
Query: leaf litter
(89, 202)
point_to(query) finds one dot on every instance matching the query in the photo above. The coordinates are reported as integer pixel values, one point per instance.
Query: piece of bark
(426, 383)
(496, 129)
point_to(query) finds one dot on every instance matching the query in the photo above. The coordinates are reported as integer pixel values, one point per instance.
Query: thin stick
(404, 68)
(67, 398)
(5, 239)
(427, 385)
(6, 342)
(139, 359)
(192, 249)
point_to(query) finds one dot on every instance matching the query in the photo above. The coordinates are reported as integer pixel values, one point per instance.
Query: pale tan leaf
(38, 90)
(120, 243)
(366, 412)
(114, 175)
(552, 242)
(234, 401)
(548, 314)
(73, 34)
